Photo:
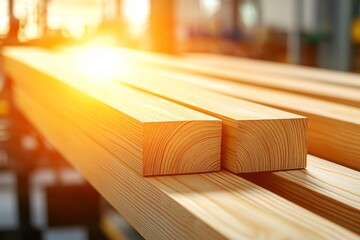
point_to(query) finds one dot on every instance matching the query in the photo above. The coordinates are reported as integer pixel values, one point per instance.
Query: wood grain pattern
(325, 188)
(215, 205)
(157, 136)
(333, 129)
(300, 72)
(255, 138)
(338, 94)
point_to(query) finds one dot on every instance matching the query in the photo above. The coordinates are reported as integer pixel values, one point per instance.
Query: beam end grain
(181, 147)
(274, 144)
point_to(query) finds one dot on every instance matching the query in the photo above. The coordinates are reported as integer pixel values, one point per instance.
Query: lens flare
(100, 64)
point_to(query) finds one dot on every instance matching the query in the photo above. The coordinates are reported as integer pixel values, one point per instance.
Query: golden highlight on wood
(156, 136)
(333, 129)
(255, 138)
(325, 188)
(329, 92)
(215, 205)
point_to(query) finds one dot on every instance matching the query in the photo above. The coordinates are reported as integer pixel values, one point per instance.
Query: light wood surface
(255, 138)
(333, 129)
(156, 136)
(301, 73)
(339, 94)
(215, 205)
(325, 188)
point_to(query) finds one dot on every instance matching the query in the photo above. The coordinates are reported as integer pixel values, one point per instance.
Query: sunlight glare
(4, 17)
(100, 64)
(136, 13)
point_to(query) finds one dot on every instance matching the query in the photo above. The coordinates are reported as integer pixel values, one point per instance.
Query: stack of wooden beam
(153, 116)
(333, 129)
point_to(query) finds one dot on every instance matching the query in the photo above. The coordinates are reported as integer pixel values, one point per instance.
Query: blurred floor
(39, 180)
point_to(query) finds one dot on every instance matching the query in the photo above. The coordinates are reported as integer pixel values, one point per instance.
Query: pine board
(157, 136)
(301, 73)
(333, 129)
(216, 205)
(325, 188)
(335, 93)
(255, 138)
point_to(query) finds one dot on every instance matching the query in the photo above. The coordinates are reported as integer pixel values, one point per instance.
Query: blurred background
(319, 33)
(43, 197)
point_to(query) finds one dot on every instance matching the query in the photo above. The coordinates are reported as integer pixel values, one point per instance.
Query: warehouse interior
(275, 83)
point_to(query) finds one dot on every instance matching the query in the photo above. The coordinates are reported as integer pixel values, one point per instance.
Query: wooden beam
(255, 138)
(325, 188)
(156, 136)
(338, 94)
(333, 130)
(301, 73)
(216, 205)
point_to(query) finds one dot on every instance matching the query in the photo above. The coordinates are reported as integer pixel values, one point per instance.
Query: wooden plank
(327, 189)
(333, 130)
(300, 72)
(156, 136)
(215, 205)
(338, 94)
(255, 138)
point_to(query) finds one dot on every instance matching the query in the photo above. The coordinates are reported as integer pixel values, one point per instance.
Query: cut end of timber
(271, 145)
(181, 147)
